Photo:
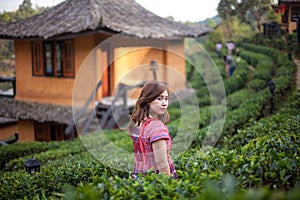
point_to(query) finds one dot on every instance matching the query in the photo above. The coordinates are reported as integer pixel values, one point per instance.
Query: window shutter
(68, 69)
(37, 59)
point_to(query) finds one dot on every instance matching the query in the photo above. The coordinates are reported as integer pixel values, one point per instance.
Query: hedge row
(269, 159)
(22, 149)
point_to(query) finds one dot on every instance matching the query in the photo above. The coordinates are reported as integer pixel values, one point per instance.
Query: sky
(181, 10)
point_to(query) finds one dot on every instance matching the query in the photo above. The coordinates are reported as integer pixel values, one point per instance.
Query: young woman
(149, 133)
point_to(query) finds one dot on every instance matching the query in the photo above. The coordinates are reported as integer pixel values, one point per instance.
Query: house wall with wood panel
(8, 131)
(129, 60)
(288, 11)
(38, 88)
(25, 129)
(132, 65)
(175, 60)
(292, 24)
(57, 90)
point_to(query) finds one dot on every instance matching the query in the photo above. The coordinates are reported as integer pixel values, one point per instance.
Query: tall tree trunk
(258, 23)
(258, 26)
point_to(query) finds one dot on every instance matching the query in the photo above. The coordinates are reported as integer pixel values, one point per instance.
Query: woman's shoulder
(154, 125)
(156, 130)
(154, 122)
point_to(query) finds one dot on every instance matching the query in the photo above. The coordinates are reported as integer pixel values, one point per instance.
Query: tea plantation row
(265, 155)
(256, 157)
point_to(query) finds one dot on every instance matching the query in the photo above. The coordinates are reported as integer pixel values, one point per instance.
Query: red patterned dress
(150, 131)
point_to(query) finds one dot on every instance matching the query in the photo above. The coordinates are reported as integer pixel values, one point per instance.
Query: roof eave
(89, 32)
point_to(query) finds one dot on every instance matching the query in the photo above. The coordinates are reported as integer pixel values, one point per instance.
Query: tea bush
(255, 157)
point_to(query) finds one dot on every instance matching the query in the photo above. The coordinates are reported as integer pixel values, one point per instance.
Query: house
(76, 44)
(290, 13)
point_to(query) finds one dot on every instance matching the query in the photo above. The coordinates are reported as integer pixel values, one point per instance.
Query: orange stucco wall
(131, 65)
(24, 128)
(47, 89)
(26, 131)
(175, 60)
(38, 88)
(8, 131)
(292, 27)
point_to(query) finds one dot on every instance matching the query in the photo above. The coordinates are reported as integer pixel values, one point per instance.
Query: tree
(4, 17)
(273, 17)
(256, 8)
(226, 10)
(25, 10)
(239, 30)
(211, 23)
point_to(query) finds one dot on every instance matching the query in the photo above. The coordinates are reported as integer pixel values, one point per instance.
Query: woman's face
(159, 105)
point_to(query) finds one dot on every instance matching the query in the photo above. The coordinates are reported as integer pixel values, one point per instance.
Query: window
(48, 59)
(37, 58)
(50, 132)
(59, 59)
(39, 130)
(53, 58)
(68, 67)
(295, 14)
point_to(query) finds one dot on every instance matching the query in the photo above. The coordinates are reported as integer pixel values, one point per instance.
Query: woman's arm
(160, 154)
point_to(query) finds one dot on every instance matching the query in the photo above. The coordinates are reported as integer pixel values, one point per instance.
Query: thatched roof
(40, 112)
(5, 121)
(111, 16)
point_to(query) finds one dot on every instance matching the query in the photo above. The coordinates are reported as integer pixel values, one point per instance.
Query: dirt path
(297, 74)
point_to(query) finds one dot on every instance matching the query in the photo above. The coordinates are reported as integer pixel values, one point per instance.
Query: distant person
(229, 65)
(149, 133)
(230, 47)
(219, 48)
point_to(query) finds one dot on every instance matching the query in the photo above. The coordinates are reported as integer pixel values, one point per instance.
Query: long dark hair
(149, 93)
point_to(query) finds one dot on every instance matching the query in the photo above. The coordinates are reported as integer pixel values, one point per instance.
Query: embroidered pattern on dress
(151, 130)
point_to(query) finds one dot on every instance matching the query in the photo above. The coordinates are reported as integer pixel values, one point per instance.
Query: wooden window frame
(41, 132)
(295, 11)
(50, 132)
(67, 56)
(52, 59)
(37, 59)
(55, 59)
